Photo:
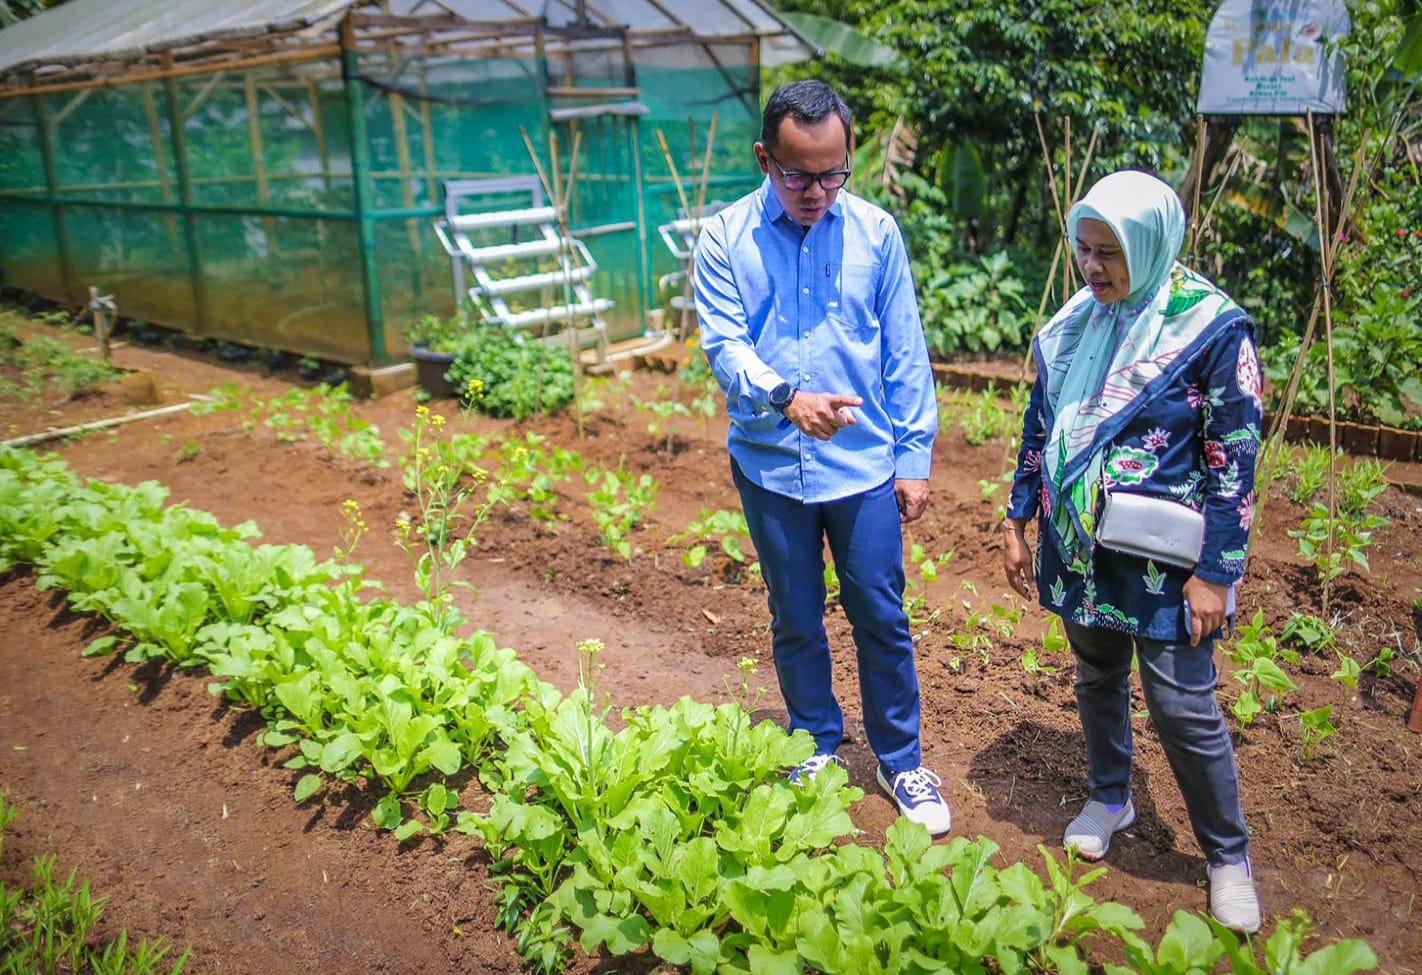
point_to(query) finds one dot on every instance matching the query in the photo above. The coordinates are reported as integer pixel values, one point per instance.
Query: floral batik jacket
(1192, 436)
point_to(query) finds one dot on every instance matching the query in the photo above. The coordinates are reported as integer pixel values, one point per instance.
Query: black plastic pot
(430, 369)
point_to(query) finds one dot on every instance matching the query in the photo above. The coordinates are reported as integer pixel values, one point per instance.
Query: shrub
(499, 372)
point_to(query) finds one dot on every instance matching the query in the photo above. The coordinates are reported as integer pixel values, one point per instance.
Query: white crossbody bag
(1151, 528)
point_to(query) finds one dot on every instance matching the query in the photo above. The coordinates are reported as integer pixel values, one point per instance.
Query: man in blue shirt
(809, 321)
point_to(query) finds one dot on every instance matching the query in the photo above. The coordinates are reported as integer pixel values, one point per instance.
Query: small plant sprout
(1257, 653)
(620, 501)
(664, 409)
(725, 528)
(1317, 726)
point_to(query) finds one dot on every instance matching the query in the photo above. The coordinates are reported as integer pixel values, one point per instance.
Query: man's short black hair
(805, 101)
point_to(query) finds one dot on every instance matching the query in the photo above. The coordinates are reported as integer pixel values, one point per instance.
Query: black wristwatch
(782, 395)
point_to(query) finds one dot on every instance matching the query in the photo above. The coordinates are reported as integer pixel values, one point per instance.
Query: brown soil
(158, 792)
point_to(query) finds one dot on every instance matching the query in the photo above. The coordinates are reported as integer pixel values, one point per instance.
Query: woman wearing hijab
(1147, 392)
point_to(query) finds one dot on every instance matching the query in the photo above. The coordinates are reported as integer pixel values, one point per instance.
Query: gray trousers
(1179, 684)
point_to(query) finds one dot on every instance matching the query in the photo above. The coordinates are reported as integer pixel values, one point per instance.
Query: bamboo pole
(160, 165)
(690, 215)
(427, 140)
(560, 191)
(1201, 127)
(1270, 451)
(259, 159)
(204, 93)
(697, 215)
(402, 161)
(73, 104)
(1072, 190)
(1326, 252)
(44, 134)
(320, 52)
(318, 129)
(363, 194)
(178, 134)
(639, 190)
(101, 424)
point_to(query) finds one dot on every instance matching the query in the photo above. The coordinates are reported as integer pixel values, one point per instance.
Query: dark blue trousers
(866, 541)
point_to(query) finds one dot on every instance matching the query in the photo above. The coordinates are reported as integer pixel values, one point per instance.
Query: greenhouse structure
(275, 173)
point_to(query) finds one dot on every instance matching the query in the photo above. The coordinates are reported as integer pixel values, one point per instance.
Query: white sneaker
(1233, 900)
(804, 773)
(1089, 834)
(916, 794)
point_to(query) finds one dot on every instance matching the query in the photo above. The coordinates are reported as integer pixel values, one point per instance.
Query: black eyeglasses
(830, 179)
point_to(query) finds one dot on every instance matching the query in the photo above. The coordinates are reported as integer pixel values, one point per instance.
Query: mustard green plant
(452, 500)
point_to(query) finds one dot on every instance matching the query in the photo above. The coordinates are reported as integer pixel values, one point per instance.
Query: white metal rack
(521, 257)
(680, 237)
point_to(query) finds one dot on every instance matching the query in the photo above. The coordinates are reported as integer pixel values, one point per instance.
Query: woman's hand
(1017, 558)
(1207, 602)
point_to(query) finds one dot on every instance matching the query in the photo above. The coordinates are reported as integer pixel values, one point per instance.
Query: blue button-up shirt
(828, 310)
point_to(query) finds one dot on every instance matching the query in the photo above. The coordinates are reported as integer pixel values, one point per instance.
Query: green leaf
(705, 952)
(844, 41)
(764, 961)
(1066, 960)
(438, 798)
(1348, 671)
(1246, 708)
(387, 813)
(697, 868)
(732, 547)
(1188, 943)
(969, 189)
(444, 755)
(1342, 958)
(622, 935)
(408, 829)
(102, 647)
(1271, 675)
(819, 942)
(670, 946)
(307, 786)
(340, 752)
(1408, 59)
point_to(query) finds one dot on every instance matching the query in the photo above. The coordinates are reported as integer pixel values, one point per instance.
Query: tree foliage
(976, 80)
(17, 10)
(981, 76)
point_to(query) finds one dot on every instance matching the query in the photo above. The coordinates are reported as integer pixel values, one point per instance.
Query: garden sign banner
(1278, 58)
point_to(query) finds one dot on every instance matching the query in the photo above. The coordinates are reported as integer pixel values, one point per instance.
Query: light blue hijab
(1149, 223)
(1097, 359)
